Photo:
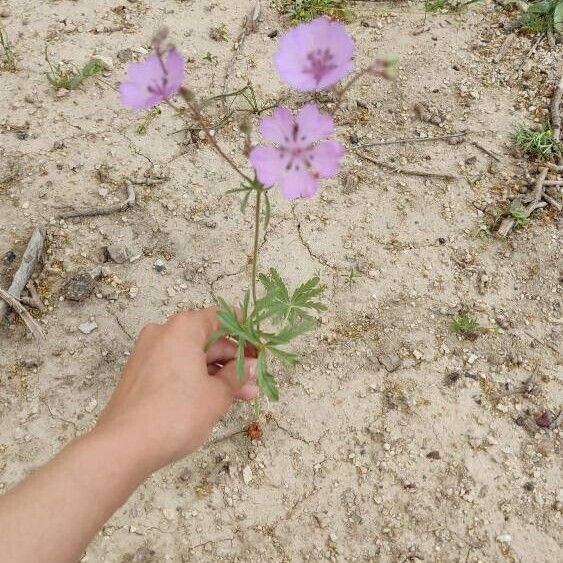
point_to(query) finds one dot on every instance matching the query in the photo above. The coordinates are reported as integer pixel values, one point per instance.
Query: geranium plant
(311, 57)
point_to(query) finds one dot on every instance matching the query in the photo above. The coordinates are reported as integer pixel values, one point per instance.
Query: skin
(171, 394)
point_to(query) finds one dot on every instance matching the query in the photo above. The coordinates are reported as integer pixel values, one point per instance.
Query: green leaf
(288, 358)
(292, 331)
(214, 338)
(558, 18)
(245, 305)
(265, 380)
(267, 210)
(240, 359)
(244, 202)
(279, 306)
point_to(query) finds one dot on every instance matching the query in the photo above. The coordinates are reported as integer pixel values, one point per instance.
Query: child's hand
(172, 392)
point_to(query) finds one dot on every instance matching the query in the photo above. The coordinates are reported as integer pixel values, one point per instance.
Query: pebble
(390, 362)
(247, 474)
(91, 406)
(159, 265)
(9, 257)
(118, 254)
(88, 327)
(79, 286)
(504, 538)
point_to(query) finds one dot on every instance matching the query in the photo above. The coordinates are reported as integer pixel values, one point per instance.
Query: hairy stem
(198, 116)
(256, 249)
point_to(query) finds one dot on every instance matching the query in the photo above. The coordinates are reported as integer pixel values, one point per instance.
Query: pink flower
(298, 160)
(315, 55)
(152, 81)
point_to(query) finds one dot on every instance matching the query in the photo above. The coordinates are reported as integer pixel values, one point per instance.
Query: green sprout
(151, 115)
(537, 143)
(211, 58)
(306, 10)
(7, 55)
(465, 325)
(73, 78)
(218, 33)
(286, 315)
(542, 16)
(352, 277)
(520, 215)
(433, 6)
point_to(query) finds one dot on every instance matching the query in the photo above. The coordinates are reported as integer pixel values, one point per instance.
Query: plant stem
(256, 249)
(255, 253)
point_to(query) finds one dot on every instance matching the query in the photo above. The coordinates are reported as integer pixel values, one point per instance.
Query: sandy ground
(396, 440)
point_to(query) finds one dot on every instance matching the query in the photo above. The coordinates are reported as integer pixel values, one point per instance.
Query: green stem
(256, 249)
(255, 252)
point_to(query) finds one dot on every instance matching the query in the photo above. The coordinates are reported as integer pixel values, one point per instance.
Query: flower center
(320, 63)
(158, 87)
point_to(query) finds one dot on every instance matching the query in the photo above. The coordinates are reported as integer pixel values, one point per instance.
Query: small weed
(210, 58)
(72, 78)
(465, 325)
(306, 10)
(520, 215)
(352, 277)
(7, 55)
(218, 33)
(433, 6)
(542, 16)
(454, 6)
(537, 143)
(151, 115)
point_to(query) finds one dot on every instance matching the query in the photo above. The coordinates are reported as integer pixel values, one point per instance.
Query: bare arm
(170, 396)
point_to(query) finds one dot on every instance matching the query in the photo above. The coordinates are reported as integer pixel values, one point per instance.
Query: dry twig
(398, 170)
(554, 108)
(535, 203)
(30, 322)
(23, 275)
(108, 210)
(412, 140)
(485, 150)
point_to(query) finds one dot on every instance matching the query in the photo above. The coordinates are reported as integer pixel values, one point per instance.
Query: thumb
(245, 390)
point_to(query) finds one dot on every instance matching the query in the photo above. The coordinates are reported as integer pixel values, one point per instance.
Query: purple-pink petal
(325, 158)
(269, 164)
(313, 124)
(278, 127)
(298, 183)
(152, 80)
(315, 55)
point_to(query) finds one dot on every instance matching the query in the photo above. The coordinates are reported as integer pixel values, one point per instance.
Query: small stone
(9, 257)
(88, 327)
(502, 408)
(247, 474)
(118, 254)
(435, 454)
(91, 406)
(159, 265)
(504, 538)
(472, 358)
(417, 354)
(133, 292)
(390, 362)
(79, 286)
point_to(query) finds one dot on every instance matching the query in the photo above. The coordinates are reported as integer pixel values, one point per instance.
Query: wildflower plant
(297, 155)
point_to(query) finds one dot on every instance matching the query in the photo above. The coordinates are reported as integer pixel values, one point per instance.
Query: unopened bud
(384, 68)
(160, 37)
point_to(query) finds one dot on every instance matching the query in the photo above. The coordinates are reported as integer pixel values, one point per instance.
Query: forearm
(55, 513)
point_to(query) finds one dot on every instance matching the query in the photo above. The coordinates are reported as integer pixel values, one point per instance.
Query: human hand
(172, 391)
